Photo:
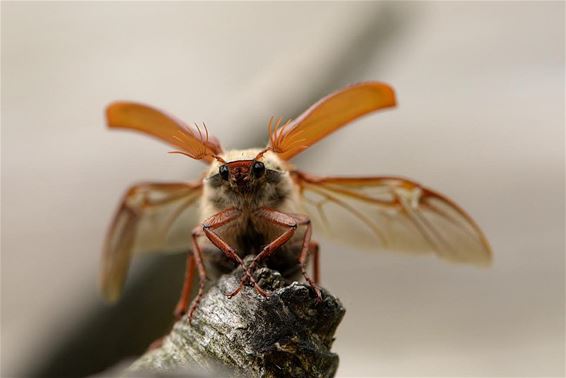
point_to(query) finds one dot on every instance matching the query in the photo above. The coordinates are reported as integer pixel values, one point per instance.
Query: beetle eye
(224, 172)
(258, 169)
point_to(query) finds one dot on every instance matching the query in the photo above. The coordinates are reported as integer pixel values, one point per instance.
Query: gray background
(481, 118)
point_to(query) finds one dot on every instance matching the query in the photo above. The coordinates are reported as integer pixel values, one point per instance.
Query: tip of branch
(290, 333)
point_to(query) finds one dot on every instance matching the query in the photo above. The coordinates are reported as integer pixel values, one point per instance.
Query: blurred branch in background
(107, 334)
(309, 72)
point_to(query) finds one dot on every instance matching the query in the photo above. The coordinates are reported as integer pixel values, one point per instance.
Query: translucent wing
(394, 214)
(329, 114)
(152, 217)
(196, 144)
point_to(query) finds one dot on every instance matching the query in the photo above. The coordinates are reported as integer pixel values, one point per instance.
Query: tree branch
(288, 334)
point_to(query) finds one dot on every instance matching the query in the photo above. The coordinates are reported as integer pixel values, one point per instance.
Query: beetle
(254, 201)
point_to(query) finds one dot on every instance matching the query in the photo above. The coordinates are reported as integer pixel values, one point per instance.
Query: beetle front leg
(280, 219)
(217, 221)
(292, 221)
(207, 228)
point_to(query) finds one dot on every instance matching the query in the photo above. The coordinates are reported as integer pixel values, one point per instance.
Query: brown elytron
(254, 201)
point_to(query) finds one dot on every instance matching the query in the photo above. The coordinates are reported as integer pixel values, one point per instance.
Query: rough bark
(289, 333)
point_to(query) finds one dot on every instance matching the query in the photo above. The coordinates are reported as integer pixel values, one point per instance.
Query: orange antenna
(262, 152)
(277, 132)
(219, 159)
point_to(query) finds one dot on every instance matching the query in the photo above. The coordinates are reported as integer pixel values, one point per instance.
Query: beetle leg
(314, 249)
(305, 254)
(291, 221)
(197, 253)
(187, 286)
(218, 220)
(207, 228)
(280, 219)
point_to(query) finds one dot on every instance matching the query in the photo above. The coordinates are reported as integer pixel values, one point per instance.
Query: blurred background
(480, 87)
